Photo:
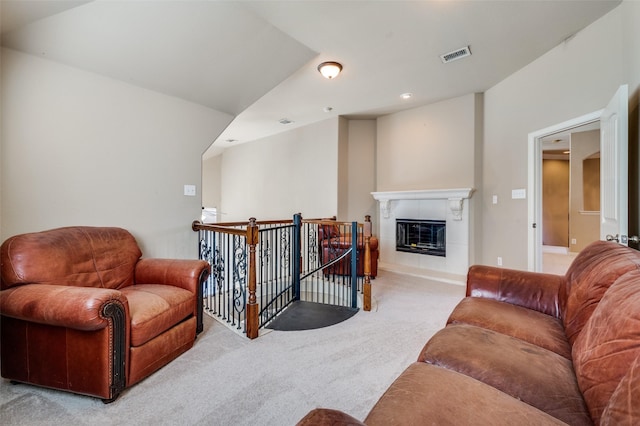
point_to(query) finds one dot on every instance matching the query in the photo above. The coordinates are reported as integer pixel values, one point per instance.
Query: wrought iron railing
(260, 268)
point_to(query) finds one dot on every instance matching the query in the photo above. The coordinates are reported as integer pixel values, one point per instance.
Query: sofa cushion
(609, 343)
(526, 324)
(525, 371)
(74, 256)
(428, 395)
(154, 308)
(623, 407)
(590, 275)
(327, 416)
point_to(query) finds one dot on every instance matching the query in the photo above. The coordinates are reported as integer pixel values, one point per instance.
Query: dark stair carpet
(309, 315)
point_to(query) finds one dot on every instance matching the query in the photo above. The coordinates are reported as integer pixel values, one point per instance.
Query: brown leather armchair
(82, 312)
(335, 239)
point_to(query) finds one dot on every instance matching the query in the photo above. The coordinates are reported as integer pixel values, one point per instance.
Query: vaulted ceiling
(257, 60)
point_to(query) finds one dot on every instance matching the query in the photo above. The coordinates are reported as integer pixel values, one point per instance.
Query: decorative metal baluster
(239, 278)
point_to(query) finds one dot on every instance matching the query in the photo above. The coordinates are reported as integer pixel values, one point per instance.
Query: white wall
(343, 170)
(430, 147)
(575, 78)
(584, 227)
(211, 181)
(362, 171)
(278, 176)
(83, 149)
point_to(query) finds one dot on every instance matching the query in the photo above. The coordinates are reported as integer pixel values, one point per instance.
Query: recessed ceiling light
(231, 140)
(285, 121)
(327, 109)
(406, 95)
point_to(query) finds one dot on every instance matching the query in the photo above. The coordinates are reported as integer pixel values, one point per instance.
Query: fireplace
(421, 236)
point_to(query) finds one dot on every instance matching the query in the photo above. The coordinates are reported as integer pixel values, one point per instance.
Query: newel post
(366, 288)
(252, 305)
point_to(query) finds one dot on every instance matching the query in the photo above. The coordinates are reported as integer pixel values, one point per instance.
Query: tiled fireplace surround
(451, 205)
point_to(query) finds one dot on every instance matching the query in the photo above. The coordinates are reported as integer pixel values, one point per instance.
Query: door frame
(534, 207)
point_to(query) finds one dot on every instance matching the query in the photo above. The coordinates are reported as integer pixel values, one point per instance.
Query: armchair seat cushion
(155, 308)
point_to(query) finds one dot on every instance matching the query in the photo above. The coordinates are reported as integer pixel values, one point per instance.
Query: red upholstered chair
(335, 240)
(82, 312)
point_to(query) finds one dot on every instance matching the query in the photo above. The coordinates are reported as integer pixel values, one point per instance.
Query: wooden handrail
(196, 225)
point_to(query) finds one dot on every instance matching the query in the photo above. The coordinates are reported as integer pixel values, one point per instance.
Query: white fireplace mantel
(454, 196)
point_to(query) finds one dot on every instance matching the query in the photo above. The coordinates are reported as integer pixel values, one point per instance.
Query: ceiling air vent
(463, 52)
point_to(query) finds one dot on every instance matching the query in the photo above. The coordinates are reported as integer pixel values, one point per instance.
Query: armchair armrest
(80, 308)
(533, 290)
(183, 273)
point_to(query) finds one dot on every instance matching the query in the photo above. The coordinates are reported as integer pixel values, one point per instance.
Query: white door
(614, 168)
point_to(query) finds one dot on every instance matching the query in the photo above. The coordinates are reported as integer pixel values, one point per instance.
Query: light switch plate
(518, 194)
(190, 190)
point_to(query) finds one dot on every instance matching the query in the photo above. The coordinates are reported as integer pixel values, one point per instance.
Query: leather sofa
(335, 240)
(527, 348)
(81, 311)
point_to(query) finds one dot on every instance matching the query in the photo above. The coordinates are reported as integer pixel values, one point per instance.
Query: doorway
(614, 197)
(570, 194)
(563, 132)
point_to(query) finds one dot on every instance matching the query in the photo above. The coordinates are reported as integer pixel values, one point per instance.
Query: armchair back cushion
(74, 256)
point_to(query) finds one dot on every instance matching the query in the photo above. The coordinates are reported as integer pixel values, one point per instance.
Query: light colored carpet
(274, 380)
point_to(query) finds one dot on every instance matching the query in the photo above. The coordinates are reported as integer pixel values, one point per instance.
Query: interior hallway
(555, 260)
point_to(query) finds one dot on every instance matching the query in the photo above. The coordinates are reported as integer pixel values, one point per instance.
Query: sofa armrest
(328, 417)
(533, 290)
(79, 308)
(183, 273)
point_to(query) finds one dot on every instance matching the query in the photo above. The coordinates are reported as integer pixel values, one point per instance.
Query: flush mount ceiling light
(330, 70)
(406, 95)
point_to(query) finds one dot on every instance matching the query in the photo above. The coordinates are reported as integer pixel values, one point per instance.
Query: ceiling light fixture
(406, 95)
(330, 70)
(285, 121)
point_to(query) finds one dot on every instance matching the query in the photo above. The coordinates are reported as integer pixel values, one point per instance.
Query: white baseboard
(555, 249)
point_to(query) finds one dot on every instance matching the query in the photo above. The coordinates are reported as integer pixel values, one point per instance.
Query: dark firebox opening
(421, 236)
